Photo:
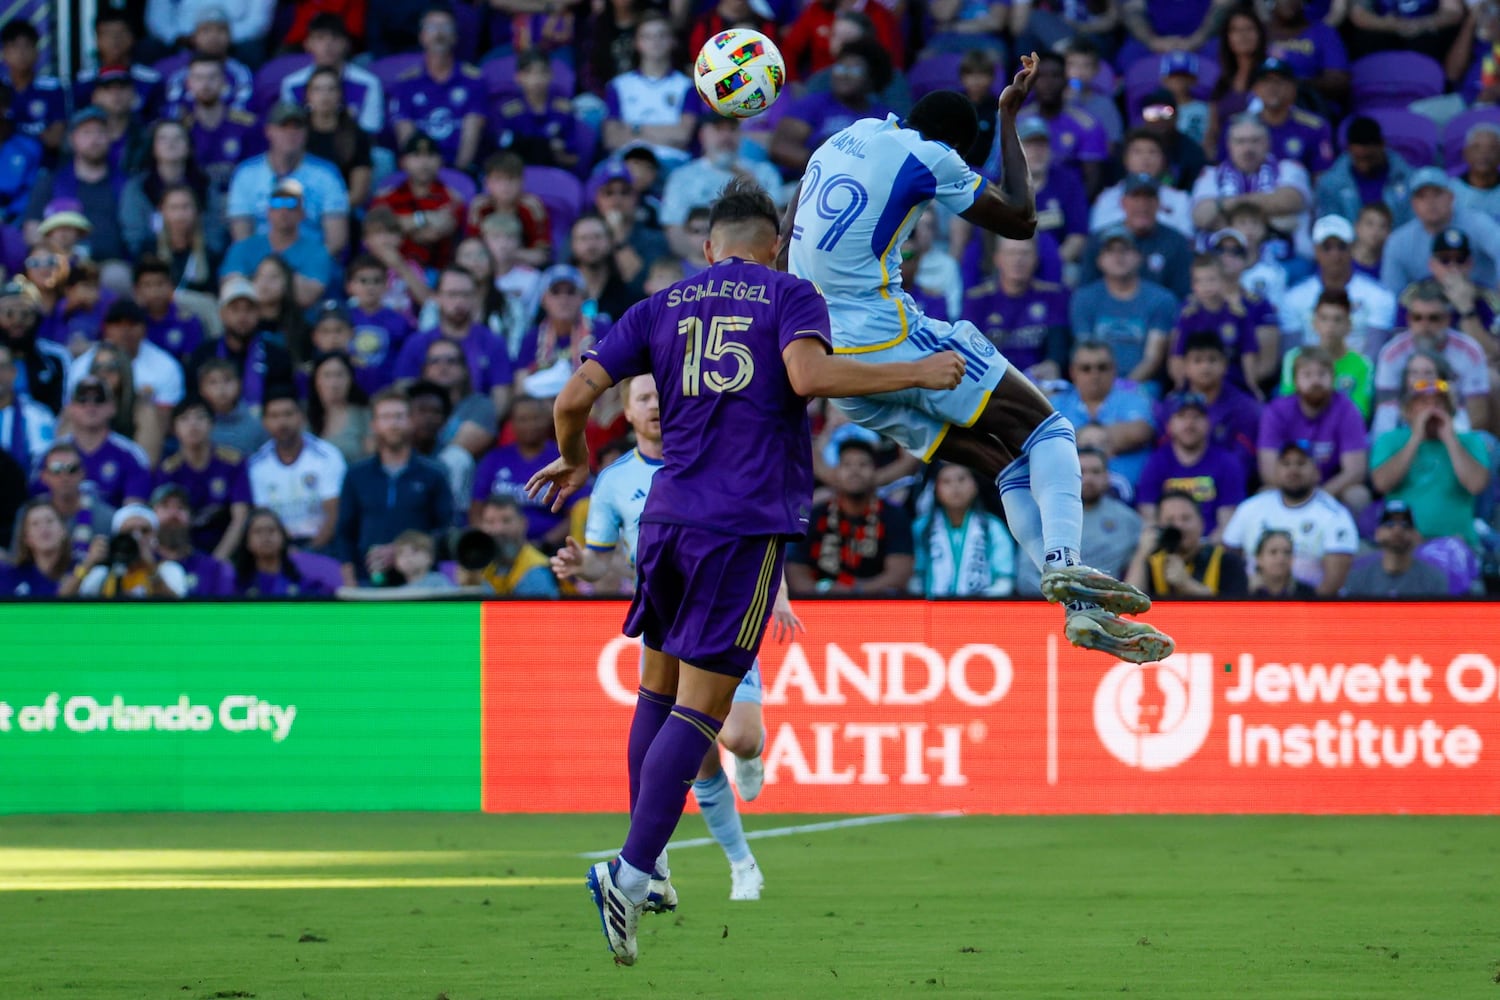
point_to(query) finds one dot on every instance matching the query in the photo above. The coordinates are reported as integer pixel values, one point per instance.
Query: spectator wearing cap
(1175, 557)
(206, 575)
(1098, 397)
(325, 199)
(1396, 571)
(653, 102)
(504, 194)
(1189, 461)
(1425, 26)
(41, 364)
(221, 134)
(114, 467)
(329, 44)
(174, 330)
(20, 161)
(286, 237)
(1078, 141)
(115, 95)
(1250, 342)
(1026, 318)
(1326, 424)
(109, 573)
(1233, 414)
(1295, 134)
(487, 356)
(607, 293)
(26, 426)
(1144, 154)
(156, 374)
(1166, 255)
(1179, 76)
(211, 37)
(1475, 308)
(296, 474)
(441, 98)
(1477, 189)
(1185, 158)
(39, 105)
(1410, 245)
(1353, 374)
(393, 491)
(1429, 327)
(537, 125)
(211, 478)
(217, 26)
(1311, 47)
(1324, 538)
(86, 177)
(862, 71)
(1062, 206)
(1251, 175)
(257, 364)
(64, 229)
(1253, 286)
(1374, 307)
(635, 238)
(1123, 309)
(553, 349)
(699, 181)
(116, 59)
(1366, 172)
(60, 475)
(1437, 471)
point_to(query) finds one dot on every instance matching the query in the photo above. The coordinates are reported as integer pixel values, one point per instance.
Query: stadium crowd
(288, 288)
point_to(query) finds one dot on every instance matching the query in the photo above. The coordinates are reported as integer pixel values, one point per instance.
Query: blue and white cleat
(1086, 585)
(661, 897)
(749, 776)
(1132, 641)
(617, 914)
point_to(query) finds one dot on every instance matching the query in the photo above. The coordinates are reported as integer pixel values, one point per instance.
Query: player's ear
(708, 252)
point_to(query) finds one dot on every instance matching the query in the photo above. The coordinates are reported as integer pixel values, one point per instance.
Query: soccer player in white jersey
(863, 192)
(615, 504)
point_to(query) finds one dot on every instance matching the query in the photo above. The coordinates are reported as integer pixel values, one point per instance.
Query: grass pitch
(469, 906)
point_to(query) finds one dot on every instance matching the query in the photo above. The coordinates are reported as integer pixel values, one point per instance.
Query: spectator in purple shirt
(174, 331)
(1025, 318)
(1078, 141)
(862, 71)
(40, 555)
(506, 470)
(207, 576)
(1425, 26)
(263, 565)
(1323, 422)
(488, 358)
(441, 98)
(40, 107)
(222, 135)
(212, 479)
(538, 125)
(1311, 47)
(210, 38)
(1210, 309)
(1233, 414)
(1062, 207)
(1190, 462)
(1295, 134)
(115, 467)
(60, 475)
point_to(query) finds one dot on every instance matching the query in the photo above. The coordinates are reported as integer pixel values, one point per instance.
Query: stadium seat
(561, 192)
(935, 72)
(500, 77)
(1454, 558)
(1412, 135)
(268, 79)
(1457, 127)
(1394, 80)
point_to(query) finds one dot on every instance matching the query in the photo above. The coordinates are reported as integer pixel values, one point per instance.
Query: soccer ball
(739, 73)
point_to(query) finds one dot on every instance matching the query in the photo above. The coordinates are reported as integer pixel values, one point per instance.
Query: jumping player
(863, 192)
(736, 351)
(616, 503)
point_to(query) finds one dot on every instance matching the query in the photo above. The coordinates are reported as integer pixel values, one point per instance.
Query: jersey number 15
(718, 348)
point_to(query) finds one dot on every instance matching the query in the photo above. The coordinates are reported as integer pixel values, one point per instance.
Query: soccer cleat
(746, 880)
(749, 776)
(617, 914)
(661, 897)
(1135, 642)
(1086, 585)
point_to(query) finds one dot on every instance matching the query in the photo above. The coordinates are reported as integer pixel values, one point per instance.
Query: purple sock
(651, 710)
(666, 775)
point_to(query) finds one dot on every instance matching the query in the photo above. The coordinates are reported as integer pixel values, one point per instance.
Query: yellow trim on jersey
(885, 292)
(937, 443)
(983, 402)
(600, 546)
(713, 736)
(755, 614)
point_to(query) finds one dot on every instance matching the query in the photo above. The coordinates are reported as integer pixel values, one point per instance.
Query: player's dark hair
(947, 117)
(743, 200)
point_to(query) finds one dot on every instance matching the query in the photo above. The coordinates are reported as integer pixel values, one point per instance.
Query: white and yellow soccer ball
(739, 73)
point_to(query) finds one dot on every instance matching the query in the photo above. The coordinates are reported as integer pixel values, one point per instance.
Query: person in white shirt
(1252, 176)
(699, 181)
(152, 369)
(1429, 320)
(1374, 307)
(26, 426)
(1324, 538)
(653, 103)
(296, 474)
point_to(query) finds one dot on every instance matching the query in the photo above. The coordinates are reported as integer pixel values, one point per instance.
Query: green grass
(1024, 907)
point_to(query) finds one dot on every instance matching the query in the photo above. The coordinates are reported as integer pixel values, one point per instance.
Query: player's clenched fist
(942, 371)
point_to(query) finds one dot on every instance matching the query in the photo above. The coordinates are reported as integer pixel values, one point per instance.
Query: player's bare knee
(743, 731)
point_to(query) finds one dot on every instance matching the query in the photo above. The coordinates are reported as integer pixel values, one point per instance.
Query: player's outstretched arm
(815, 372)
(1008, 206)
(570, 414)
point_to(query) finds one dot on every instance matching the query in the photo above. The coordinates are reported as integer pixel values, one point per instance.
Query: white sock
(1022, 515)
(632, 881)
(663, 869)
(1055, 486)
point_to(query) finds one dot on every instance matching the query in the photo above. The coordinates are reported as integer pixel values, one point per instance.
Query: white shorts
(918, 419)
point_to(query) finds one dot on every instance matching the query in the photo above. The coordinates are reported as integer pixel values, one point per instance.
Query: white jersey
(1319, 526)
(296, 492)
(616, 502)
(863, 192)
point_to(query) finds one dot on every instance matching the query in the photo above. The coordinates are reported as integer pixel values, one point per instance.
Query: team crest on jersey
(1293, 147)
(108, 470)
(1307, 527)
(38, 108)
(310, 479)
(369, 346)
(982, 345)
(457, 95)
(1156, 262)
(419, 99)
(217, 486)
(231, 148)
(174, 337)
(1037, 310)
(1227, 331)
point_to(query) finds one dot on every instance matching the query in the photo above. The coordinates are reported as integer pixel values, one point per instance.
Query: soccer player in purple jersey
(736, 351)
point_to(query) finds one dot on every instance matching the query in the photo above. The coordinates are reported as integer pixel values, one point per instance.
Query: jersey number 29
(718, 348)
(839, 201)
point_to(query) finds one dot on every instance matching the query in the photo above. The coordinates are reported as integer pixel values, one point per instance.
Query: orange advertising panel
(983, 707)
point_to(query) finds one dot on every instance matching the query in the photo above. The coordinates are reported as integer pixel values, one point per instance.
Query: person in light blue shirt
(1099, 398)
(325, 203)
(1132, 315)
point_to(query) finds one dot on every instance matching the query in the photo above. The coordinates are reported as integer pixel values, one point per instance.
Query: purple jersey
(207, 576)
(222, 148)
(1028, 328)
(488, 357)
(1316, 48)
(211, 490)
(34, 109)
(1303, 137)
(715, 343)
(378, 337)
(530, 133)
(1216, 480)
(1076, 137)
(1062, 205)
(1231, 323)
(239, 86)
(116, 470)
(26, 581)
(177, 333)
(438, 109)
(1339, 428)
(505, 472)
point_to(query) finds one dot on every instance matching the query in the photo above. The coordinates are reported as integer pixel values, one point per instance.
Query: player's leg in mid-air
(744, 736)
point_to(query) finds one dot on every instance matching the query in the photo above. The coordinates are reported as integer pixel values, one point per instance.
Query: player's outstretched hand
(941, 371)
(1013, 96)
(557, 482)
(569, 559)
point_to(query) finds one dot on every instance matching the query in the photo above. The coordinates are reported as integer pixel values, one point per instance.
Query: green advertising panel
(239, 706)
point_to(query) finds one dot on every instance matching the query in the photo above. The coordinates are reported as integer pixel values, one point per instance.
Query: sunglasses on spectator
(1229, 250)
(64, 468)
(283, 201)
(1097, 366)
(1451, 259)
(1158, 113)
(39, 261)
(563, 288)
(445, 359)
(91, 398)
(1426, 317)
(1427, 386)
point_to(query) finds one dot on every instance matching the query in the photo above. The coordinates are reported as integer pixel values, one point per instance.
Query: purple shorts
(705, 597)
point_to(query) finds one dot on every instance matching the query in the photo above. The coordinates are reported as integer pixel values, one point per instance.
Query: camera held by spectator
(125, 563)
(497, 555)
